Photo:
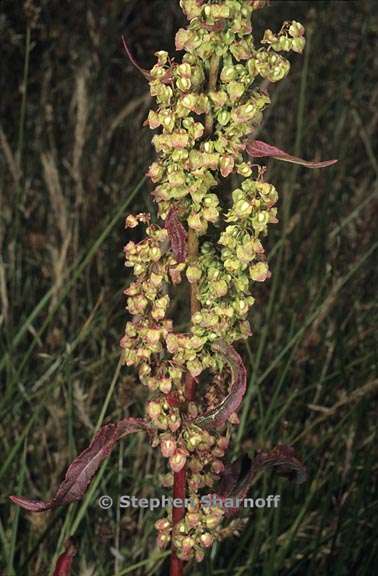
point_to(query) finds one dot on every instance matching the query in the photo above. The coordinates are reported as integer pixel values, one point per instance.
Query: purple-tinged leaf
(64, 562)
(83, 468)
(218, 416)
(259, 149)
(282, 458)
(177, 236)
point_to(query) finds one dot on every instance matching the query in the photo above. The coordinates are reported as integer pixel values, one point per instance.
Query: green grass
(312, 360)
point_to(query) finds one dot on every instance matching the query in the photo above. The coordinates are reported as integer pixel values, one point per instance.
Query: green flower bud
(259, 272)
(165, 385)
(235, 91)
(214, 518)
(153, 409)
(245, 252)
(193, 273)
(242, 208)
(197, 318)
(217, 11)
(228, 74)
(184, 70)
(178, 459)
(211, 214)
(223, 117)
(176, 178)
(226, 165)
(155, 172)
(241, 50)
(244, 113)
(183, 84)
(194, 367)
(220, 288)
(191, 8)
(189, 101)
(244, 169)
(296, 29)
(260, 221)
(162, 57)
(232, 265)
(167, 445)
(207, 540)
(298, 45)
(218, 98)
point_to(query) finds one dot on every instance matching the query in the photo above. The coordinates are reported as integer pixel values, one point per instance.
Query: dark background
(73, 151)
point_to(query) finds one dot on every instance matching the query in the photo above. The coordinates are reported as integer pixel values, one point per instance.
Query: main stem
(179, 479)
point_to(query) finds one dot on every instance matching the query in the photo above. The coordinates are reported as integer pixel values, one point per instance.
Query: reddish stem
(179, 479)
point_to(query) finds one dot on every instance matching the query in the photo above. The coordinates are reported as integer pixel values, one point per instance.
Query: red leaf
(64, 563)
(217, 417)
(259, 149)
(84, 467)
(177, 236)
(282, 458)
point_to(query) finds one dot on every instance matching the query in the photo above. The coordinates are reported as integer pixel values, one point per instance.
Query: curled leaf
(177, 236)
(259, 149)
(83, 468)
(284, 460)
(64, 562)
(236, 484)
(217, 417)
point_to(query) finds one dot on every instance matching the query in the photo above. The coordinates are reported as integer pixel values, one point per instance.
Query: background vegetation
(73, 154)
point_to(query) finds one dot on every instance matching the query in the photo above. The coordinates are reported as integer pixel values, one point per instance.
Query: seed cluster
(201, 141)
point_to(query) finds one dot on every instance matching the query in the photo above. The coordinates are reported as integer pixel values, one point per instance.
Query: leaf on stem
(218, 416)
(282, 458)
(84, 467)
(177, 236)
(259, 149)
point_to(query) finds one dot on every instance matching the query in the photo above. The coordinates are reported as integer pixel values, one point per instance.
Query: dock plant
(214, 208)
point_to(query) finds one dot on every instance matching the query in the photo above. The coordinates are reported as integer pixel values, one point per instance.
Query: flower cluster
(206, 107)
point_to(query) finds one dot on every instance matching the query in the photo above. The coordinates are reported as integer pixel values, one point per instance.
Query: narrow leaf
(217, 417)
(282, 458)
(259, 149)
(83, 468)
(64, 562)
(143, 71)
(177, 236)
